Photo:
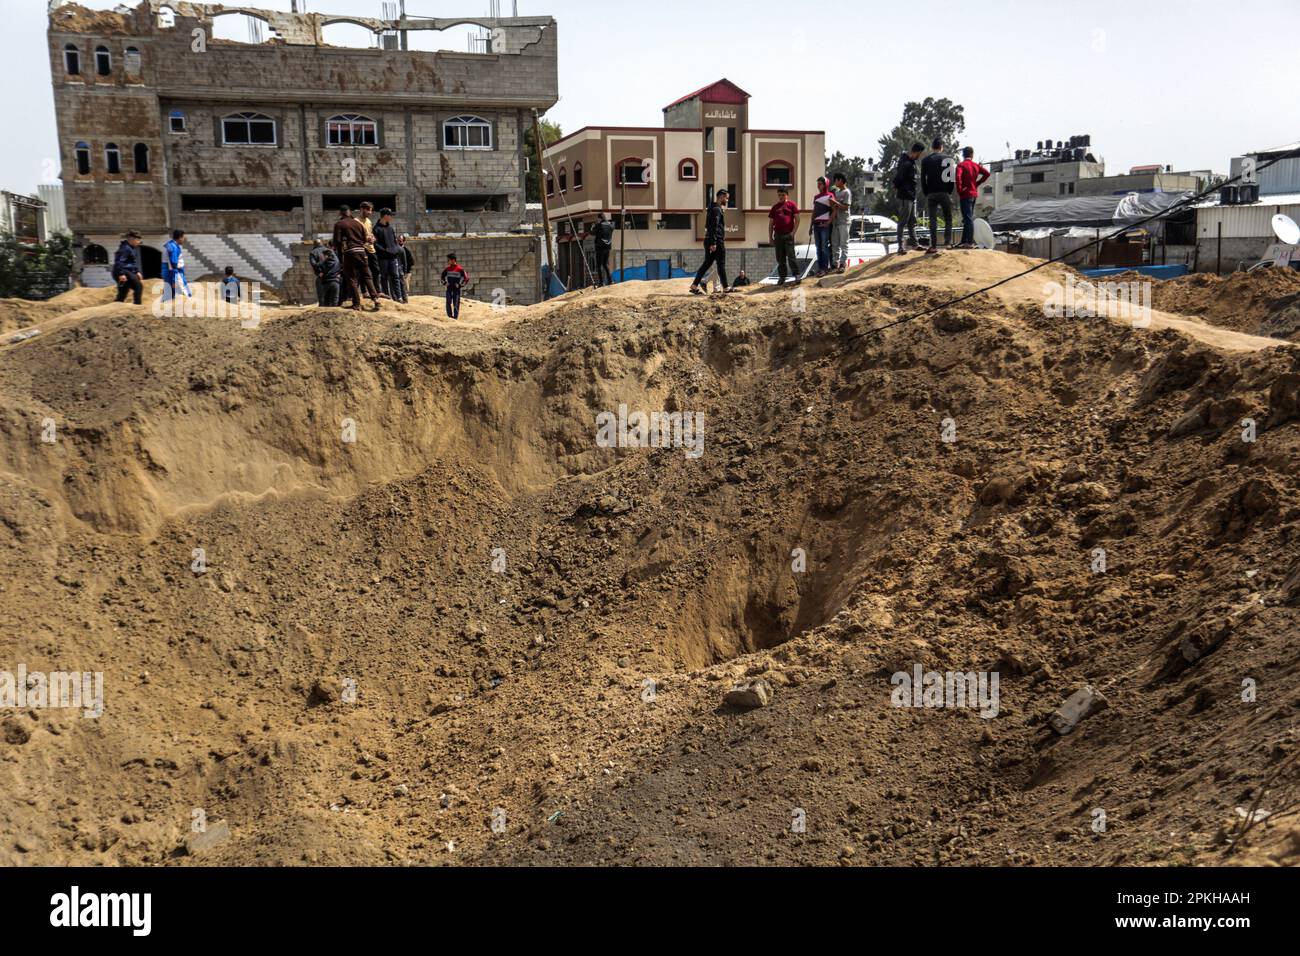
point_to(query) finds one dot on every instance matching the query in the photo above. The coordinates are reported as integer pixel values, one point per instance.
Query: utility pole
(541, 179)
(622, 223)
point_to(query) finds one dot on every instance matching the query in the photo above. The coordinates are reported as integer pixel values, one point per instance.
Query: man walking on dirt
(970, 177)
(350, 244)
(905, 190)
(782, 223)
(602, 244)
(715, 249)
(938, 177)
(126, 268)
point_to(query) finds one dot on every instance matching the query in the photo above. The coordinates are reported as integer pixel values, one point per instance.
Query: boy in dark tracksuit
(455, 278)
(905, 190)
(126, 268)
(715, 250)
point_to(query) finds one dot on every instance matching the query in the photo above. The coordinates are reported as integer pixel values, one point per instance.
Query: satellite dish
(984, 234)
(1285, 228)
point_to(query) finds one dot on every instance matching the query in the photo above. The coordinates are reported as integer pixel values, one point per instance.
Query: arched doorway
(150, 262)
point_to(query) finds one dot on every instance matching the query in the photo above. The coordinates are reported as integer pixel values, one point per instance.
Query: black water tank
(1247, 193)
(1228, 196)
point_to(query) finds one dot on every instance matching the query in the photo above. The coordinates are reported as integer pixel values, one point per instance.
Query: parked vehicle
(858, 253)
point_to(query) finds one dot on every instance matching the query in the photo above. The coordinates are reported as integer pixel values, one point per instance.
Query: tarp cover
(1083, 211)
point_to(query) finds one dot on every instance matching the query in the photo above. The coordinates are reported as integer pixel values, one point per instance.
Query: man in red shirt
(783, 220)
(970, 177)
(455, 278)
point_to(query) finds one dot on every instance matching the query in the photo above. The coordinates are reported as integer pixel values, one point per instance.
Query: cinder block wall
(511, 263)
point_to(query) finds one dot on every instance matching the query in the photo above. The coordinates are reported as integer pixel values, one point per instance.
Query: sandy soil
(354, 677)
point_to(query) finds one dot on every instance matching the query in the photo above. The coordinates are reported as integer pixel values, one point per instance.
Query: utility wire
(1182, 203)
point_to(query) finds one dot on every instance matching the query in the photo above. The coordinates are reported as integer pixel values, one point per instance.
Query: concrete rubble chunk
(749, 695)
(1079, 706)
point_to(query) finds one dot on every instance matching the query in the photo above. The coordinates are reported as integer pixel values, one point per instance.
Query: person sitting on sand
(741, 279)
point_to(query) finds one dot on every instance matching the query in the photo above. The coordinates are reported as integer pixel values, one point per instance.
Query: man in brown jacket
(350, 244)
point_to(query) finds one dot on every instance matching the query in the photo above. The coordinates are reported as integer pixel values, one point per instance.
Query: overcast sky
(1187, 83)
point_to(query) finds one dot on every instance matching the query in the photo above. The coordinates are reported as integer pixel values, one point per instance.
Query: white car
(858, 253)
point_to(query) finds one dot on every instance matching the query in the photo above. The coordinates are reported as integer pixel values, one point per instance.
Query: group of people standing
(939, 178)
(128, 270)
(374, 259)
(363, 256)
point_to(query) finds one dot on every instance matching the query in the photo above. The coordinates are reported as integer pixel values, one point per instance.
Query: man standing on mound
(350, 244)
(455, 278)
(715, 250)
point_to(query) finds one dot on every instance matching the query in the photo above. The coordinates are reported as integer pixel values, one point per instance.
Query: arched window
(550, 185)
(350, 129)
(564, 180)
(467, 132)
(71, 60)
(103, 61)
(112, 158)
(141, 153)
(778, 173)
(131, 61)
(82, 154)
(688, 169)
(577, 176)
(630, 172)
(247, 129)
(94, 255)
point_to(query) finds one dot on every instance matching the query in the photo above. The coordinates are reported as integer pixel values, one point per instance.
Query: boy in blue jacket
(173, 265)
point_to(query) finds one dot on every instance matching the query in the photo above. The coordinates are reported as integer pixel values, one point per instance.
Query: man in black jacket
(715, 249)
(938, 179)
(391, 277)
(905, 190)
(126, 268)
(329, 274)
(602, 243)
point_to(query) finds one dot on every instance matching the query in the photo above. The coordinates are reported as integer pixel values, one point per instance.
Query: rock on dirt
(748, 696)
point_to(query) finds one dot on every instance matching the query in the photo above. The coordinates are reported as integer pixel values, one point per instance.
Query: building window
(72, 60)
(778, 173)
(577, 176)
(467, 132)
(731, 139)
(564, 180)
(708, 140)
(247, 129)
(550, 185)
(731, 195)
(112, 159)
(688, 169)
(676, 221)
(176, 121)
(630, 172)
(94, 255)
(350, 129)
(82, 154)
(103, 61)
(141, 156)
(1035, 177)
(131, 61)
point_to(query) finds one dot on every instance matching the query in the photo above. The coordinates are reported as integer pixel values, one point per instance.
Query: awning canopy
(1082, 211)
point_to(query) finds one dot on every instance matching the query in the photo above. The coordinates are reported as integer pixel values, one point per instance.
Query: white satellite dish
(1285, 228)
(984, 234)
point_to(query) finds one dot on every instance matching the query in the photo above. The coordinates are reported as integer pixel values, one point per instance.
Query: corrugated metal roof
(1276, 199)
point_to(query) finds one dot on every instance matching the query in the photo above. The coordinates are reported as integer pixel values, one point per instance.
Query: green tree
(30, 271)
(550, 133)
(921, 123)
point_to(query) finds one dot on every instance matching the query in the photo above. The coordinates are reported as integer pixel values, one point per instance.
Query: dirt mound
(376, 589)
(1262, 302)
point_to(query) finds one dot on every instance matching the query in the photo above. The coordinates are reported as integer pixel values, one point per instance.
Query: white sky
(1184, 82)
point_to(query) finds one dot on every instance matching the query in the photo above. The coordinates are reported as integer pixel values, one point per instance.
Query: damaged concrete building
(250, 147)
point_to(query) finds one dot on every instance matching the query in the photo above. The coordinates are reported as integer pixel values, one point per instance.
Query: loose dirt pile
(367, 589)
(1263, 302)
